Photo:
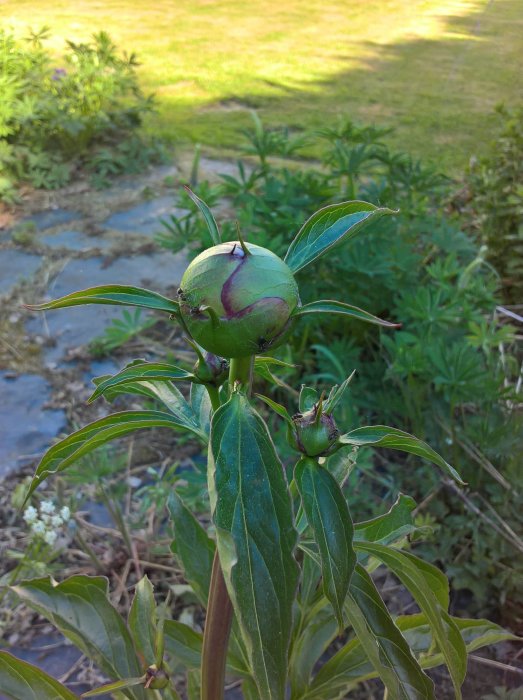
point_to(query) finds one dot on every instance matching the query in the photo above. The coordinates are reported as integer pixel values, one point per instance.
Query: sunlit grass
(434, 70)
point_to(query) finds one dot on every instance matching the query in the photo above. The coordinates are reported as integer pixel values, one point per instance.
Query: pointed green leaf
(350, 666)
(383, 436)
(185, 646)
(168, 394)
(142, 620)
(115, 294)
(141, 370)
(383, 643)
(277, 408)
(80, 609)
(22, 681)
(308, 397)
(329, 227)
(194, 548)
(202, 408)
(316, 635)
(329, 306)
(430, 589)
(70, 449)
(389, 527)
(117, 685)
(207, 215)
(336, 394)
(183, 643)
(252, 512)
(328, 515)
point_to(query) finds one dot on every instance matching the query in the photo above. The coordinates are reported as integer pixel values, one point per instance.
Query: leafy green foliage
(383, 642)
(119, 331)
(329, 227)
(192, 546)
(85, 112)
(142, 620)
(80, 609)
(328, 514)
(494, 201)
(23, 681)
(283, 621)
(448, 376)
(255, 536)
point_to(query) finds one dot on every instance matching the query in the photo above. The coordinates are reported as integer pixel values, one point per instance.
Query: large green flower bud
(237, 299)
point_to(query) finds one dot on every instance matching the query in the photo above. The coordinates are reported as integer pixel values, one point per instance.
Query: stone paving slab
(16, 265)
(75, 240)
(26, 427)
(79, 325)
(145, 218)
(53, 217)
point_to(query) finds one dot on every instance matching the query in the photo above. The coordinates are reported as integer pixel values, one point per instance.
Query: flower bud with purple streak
(237, 299)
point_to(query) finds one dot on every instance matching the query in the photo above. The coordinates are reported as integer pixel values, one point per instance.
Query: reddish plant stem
(216, 636)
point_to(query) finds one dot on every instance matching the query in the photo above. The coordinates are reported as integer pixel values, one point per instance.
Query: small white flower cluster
(47, 523)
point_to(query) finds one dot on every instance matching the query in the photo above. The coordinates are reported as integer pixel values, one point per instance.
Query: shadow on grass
(438, 93)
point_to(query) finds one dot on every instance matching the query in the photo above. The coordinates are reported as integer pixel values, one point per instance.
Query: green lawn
(433, 70)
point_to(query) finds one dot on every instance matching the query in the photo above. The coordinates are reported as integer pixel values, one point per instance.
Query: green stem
(240, 372)
(219, 607)
(214, 395)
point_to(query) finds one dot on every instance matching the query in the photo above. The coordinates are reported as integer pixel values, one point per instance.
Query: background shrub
(493, 202)
(83, 112)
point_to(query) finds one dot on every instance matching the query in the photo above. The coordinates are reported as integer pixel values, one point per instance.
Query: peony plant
(288, 572)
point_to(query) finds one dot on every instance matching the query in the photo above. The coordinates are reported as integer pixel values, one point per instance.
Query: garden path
(80, 239)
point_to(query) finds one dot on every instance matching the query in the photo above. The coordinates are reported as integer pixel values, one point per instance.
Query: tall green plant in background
(450, 375)
(289, 571)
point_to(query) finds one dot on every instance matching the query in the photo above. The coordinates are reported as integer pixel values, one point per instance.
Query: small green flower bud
(156, 678)
(211, 369)
(315, 433)
(237, 299)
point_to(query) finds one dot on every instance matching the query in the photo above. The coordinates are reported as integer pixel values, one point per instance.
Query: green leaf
(256, 539)
(207, 215)
(116, 294)
(142, 370)
(383, 643)
(142, 620)
(329, 227)
(430, 589)
(328, 306)
(194, 548)
(185, 646)
(171, 397)
(383, 436)
(308, 397)
(328, 515)
(80, 609)
(336, 394)
(277, 408)
(350, 666)
(70, 449)
(316, 635)
(389, 527)
(194, 684)
(117, 685)
(183, 643)
(201, 407)
(22, 681)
